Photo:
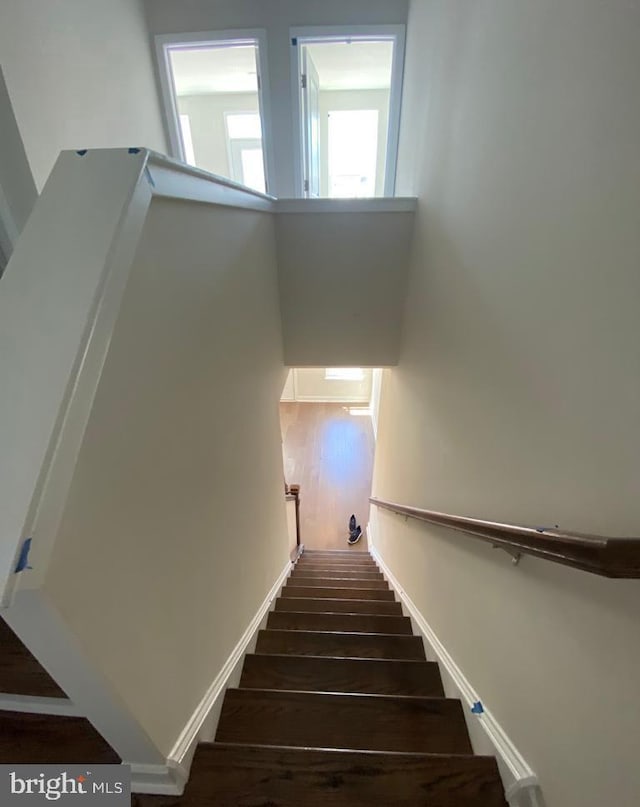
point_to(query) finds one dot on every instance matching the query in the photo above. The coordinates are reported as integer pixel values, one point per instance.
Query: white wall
(175, 527)
(342, 286)
(167, 16)
(309, 384)
(80, 75)
(333, 100)
(208, 128)
(517, 393)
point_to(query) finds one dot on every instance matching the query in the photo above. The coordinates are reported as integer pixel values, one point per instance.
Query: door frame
(308, 35)
(238, 36)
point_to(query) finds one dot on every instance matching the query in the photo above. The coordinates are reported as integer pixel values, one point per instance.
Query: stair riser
(356, 623)
(347, 645)
(20, 673)
(357, 722)
(316, 592)
(347, 573)
(38, 739)
(367, 676)
(336, 582)
(342, 564)
(326, 606)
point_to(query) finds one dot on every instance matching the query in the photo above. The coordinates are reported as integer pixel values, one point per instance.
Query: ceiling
(354, 66)
(198, 71)
(340, 66)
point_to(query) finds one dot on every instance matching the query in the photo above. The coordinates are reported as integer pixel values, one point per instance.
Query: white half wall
(79, 75)
(342, 285)
(175, 528)
(517, 393)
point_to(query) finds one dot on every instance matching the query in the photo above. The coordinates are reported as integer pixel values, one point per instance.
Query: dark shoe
(352, 523)
(355, 535)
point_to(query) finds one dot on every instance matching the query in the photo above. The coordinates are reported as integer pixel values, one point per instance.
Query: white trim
(258, 36)
(380, 204)
(324, 33)
(157, 780)
(518, 777)
(376, 394)
(50, 383)
(176, 180)
(185, 744)
(32, 704)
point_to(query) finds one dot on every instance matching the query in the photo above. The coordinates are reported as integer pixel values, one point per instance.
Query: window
(344, 374)
(244, 136)
(347, 99)
(353, 153)
(213, 101)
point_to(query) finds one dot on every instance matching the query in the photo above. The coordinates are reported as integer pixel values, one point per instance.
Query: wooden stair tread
(20, 672)
(364, 722)
(353, 623)
(338, 593)
(229, 775)
(338, 707)
(348, 645)
(328, 674)
(329, 606)
(40, 739)
(317, 778)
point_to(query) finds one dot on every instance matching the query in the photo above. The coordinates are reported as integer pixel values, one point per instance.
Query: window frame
(164, 43)
(308, 35)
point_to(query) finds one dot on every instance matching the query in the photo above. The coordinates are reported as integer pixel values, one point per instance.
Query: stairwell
(338, 706)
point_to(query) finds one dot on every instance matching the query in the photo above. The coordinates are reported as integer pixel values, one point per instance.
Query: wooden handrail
(608, 557)
(292, 493)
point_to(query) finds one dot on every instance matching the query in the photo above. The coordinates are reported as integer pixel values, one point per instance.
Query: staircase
(338, 706)
(38, 723)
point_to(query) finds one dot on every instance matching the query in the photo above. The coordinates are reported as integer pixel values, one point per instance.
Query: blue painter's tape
(23, 560)
(134, 150)
(294, 41)
(82, 152)
(147, 173)
(477, 708)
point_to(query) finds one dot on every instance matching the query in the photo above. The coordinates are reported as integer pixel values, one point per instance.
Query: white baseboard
(157, 780)
(521, 784)
(206, 714)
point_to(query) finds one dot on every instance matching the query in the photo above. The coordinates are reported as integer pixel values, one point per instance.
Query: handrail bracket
(515, 555)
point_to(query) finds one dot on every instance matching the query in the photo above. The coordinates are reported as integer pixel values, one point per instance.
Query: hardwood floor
(330, 454)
